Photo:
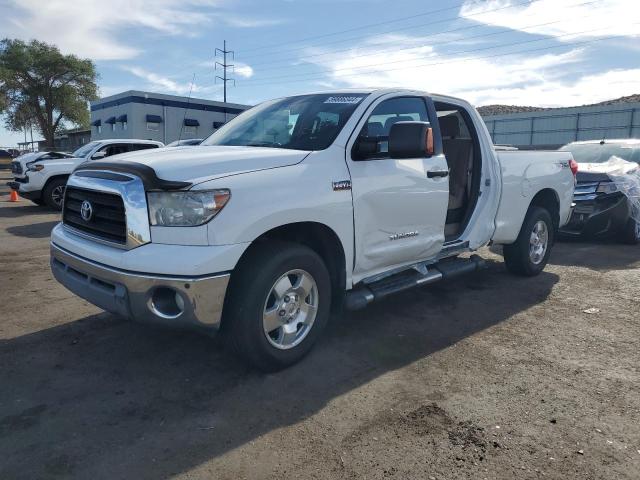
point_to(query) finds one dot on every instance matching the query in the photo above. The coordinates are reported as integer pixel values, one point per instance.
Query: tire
(54, 192)
(630, 234)
(259, 296)
(524, 257)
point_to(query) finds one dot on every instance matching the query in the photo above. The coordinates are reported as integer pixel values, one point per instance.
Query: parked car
(42, 179)
(300, 206)
(185, 143)
(601, 209)
(5, 158)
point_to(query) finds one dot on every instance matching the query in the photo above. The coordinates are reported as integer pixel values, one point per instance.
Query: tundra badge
(398, 236)
(342, 185)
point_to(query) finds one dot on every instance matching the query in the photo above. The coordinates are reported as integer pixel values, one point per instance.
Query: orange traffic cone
(14, 196)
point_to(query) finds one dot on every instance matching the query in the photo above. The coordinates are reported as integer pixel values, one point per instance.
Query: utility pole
(224, 65)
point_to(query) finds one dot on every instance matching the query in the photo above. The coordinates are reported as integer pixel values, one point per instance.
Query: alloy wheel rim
(57, 194)
(290, 309)
(538, 242)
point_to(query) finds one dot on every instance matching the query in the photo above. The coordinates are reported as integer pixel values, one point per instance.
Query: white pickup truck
(301, 206)
(41, 176)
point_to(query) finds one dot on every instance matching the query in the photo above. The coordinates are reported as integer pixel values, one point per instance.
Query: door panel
(399, 211)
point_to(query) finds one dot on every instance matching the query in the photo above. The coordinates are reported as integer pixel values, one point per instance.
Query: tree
(40, 85)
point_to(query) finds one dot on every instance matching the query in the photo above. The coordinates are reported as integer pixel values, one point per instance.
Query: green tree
(40, 85)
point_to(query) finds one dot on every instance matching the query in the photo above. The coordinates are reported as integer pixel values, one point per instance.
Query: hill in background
(504, 109)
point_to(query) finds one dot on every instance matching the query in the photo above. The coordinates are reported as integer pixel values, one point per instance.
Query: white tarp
(625, 177)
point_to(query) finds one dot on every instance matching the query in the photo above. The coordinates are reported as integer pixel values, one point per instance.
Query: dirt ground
(491, 376)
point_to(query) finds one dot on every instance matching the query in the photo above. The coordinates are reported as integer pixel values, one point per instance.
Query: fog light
(167, 302)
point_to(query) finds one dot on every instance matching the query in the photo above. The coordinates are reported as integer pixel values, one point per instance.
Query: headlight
(185, 209)
(607, 187)
(34, 168)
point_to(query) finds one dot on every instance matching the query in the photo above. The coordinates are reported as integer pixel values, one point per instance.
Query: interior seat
(459, 155)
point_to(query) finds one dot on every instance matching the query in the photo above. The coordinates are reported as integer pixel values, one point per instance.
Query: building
(68, 141)
(555, 127)
(155, 116)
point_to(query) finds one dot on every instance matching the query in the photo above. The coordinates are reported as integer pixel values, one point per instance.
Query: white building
(155, 116)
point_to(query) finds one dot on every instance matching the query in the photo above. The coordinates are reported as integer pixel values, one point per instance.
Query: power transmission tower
(224, 65)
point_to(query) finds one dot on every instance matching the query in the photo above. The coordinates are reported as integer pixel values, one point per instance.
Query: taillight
(573, 165)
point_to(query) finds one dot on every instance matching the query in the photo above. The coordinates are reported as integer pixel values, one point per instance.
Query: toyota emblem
(86, 210)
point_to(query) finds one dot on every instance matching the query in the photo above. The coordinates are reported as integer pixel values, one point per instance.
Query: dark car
(5, 158)
(600, 208)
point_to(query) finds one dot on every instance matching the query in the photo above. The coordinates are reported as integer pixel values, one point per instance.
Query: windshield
(306, 122)
(597, 153)
(85, 149)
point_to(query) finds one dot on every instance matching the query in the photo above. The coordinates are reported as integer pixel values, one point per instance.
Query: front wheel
(529, 254)
(279, 303)
(53, 193)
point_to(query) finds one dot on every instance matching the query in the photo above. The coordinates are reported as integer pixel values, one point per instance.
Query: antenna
(224, 65)
(187, 107)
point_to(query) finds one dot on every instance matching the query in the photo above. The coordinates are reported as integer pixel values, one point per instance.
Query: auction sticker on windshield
(343, 99)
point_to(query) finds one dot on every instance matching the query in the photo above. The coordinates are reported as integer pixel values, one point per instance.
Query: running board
(362, 296)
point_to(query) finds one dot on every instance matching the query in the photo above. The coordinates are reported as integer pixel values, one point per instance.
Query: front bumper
(597, 216)
(178, 301)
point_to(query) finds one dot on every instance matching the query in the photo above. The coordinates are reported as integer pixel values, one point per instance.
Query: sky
(538, 52)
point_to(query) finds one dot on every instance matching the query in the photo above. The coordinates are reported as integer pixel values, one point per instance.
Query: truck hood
(34, 157)
(604, 171)
(196, 164)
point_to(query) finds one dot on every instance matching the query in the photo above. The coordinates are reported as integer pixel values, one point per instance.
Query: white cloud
(559, 17)
(243, 70)
(247, 22)
(89, 28)
(162, 84)
(584, 90)
(540, 79)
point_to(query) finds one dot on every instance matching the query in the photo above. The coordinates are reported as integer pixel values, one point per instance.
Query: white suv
(41, 176)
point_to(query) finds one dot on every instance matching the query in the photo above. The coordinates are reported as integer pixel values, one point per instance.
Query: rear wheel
(279, 303)
(630, 234)
(53, 193)
(529, 254)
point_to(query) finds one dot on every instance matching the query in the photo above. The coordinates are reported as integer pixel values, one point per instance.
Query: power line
(275, 77)
(362, 27)
(457, 60)
(457, 17)
(224, 66)
(503, 31)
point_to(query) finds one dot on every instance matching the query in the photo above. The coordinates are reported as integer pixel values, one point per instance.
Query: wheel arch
(548, 199)
(320, 238)
(58, 176)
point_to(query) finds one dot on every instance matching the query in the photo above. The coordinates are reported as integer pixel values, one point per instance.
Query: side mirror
(411, 140)
(365, 147)
(99, 155)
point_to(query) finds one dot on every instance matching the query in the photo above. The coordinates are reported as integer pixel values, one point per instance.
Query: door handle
(437, 173)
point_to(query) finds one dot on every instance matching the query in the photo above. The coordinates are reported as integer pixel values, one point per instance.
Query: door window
(115, 149)
(394, 110)
(142, 146)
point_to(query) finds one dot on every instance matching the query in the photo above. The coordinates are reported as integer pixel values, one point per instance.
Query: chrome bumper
(172, 301)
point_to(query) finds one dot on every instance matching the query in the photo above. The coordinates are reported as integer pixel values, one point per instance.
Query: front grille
(16, 167)
(108, 220)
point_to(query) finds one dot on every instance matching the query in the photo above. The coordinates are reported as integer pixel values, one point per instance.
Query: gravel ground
(491, 376)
